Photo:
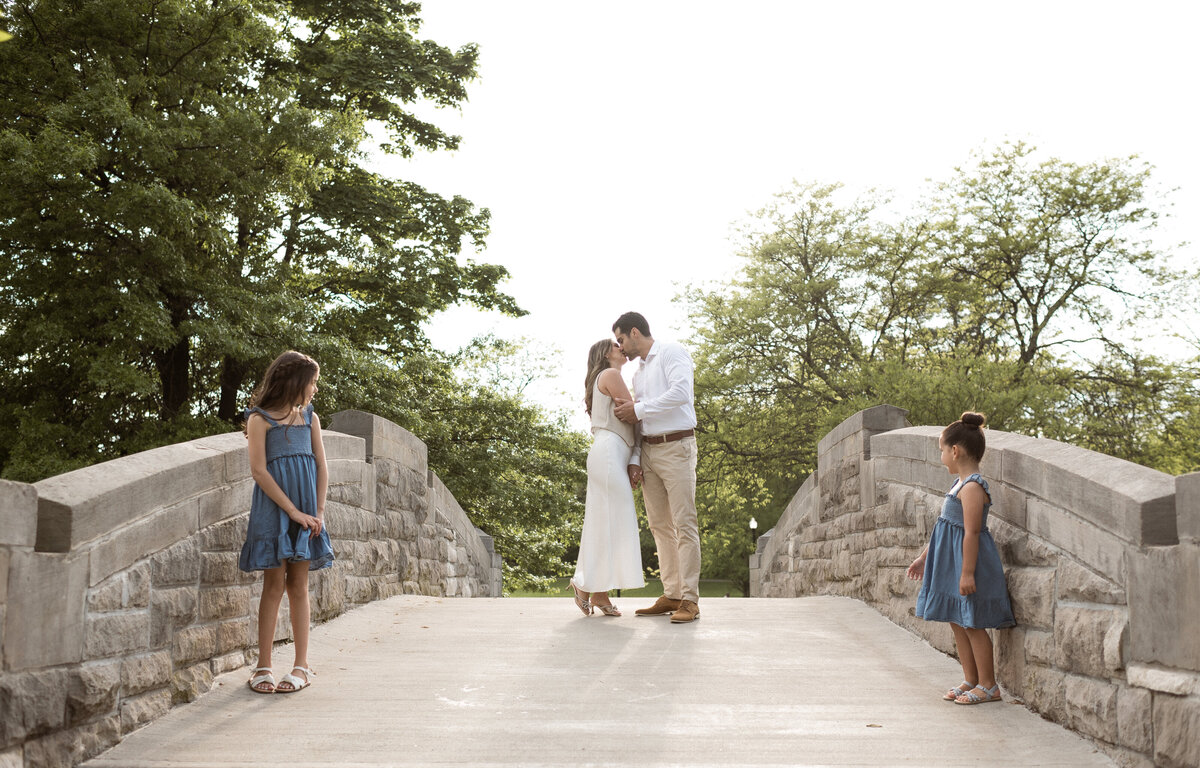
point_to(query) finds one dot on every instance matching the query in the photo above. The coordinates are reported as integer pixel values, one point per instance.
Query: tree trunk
(233, 373)
(174, 366)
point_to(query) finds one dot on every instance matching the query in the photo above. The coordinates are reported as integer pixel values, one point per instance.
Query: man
(664, 462)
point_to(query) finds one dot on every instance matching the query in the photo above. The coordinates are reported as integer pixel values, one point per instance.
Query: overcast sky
(617, 143)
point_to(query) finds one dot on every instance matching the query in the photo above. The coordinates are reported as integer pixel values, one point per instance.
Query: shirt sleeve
(636, 456)
(677, 367)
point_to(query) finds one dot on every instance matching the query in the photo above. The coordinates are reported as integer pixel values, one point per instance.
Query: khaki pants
(669, 491)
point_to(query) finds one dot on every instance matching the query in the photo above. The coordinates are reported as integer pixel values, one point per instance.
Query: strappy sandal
(266, 677)
(297, 683)
(608, 609)
(581, 599)
(957, 691)
(988, 695)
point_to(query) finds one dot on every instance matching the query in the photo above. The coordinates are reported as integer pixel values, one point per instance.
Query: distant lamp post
(753, 532)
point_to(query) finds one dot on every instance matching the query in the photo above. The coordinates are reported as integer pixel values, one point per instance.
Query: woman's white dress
(610, 553)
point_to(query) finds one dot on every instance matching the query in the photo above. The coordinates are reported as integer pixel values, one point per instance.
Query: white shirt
(663, 387)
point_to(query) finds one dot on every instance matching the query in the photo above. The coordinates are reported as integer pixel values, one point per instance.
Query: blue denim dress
(272, 537)
(939, 599)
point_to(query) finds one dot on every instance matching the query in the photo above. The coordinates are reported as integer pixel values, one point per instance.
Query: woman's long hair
(597, 362)
(284, 382)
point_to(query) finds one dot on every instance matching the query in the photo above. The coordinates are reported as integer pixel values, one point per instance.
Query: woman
(610, 553)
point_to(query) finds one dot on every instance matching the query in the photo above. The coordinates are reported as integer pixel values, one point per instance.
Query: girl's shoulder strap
(261, 412)
(975, 477)
(308, 414)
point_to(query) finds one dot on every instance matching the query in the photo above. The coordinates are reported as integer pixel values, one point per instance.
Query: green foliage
(995, 294)
(185, 193)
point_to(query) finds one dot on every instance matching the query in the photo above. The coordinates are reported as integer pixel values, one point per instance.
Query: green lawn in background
(653, 588)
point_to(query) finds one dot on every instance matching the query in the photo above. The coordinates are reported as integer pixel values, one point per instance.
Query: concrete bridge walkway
(531, 682)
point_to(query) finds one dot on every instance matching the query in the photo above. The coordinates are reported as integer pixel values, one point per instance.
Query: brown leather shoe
(662, 606)
(687, 611)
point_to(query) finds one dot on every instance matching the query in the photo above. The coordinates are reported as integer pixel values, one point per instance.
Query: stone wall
(120, 594)
(1102, 558)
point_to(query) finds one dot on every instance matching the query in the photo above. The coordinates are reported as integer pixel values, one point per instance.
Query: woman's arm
(613, 385)
(972, 497)
(318, 448)
(256, 434)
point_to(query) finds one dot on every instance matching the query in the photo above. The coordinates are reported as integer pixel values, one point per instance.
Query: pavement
(421, 681)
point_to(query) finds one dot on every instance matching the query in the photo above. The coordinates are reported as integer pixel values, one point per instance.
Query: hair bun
(973, 419)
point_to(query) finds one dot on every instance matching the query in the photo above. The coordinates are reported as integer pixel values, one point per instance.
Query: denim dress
(939, 599)
(272, 537)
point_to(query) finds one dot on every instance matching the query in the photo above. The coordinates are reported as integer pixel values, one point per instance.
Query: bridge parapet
(120, 594)
(1102, 558)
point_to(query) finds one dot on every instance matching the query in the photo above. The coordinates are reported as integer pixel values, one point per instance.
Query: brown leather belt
(670, 437)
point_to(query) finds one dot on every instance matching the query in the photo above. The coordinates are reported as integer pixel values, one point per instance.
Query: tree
(186, 191)
(995, 294)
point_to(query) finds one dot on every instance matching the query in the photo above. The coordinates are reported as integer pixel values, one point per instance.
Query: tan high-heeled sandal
(581, 599)
(608, 609)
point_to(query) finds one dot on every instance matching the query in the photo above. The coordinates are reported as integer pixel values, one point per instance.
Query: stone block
(1164, 614)
(1177, 731)
(144, 672)
(1008, 504)
(32, 703)
(224, 602)
(151, 533)
(219, 569)
(1091, 707)
(1032, 593)
(108, 595)
(69, 748)
(378, 438)
(43, 617)
(1079, 638)
(1187, 507)
(92, 502)
(12, 758)
(1173, 681)
(1082, 585)
(190, 683)
(117, 634)
(1096, 548)
(1043, 688)
(238, 633)
(194, 644)
(19, 502)
(178, 564)
(171, 609)
(136, 711)
(1135, 728)
(92, 690)
(1018, 548)
(228, 662)
(1039, 647)
(227, 536)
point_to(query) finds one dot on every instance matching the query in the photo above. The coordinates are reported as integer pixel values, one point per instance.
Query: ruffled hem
(265, 554)
(993, 613)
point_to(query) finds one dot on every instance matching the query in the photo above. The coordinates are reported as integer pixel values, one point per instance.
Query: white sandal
(297, 683)
(257, 680)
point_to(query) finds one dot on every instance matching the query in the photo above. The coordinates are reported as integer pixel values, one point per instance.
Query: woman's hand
(966, 585)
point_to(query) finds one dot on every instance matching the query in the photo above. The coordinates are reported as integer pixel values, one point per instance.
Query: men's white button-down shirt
(663, 388)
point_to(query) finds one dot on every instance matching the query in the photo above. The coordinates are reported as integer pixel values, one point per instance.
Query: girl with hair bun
(962, 576)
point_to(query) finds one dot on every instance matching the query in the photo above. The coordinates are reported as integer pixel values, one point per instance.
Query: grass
(653, 588)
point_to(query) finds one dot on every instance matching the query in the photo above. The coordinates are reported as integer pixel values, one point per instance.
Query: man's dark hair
(630, 320)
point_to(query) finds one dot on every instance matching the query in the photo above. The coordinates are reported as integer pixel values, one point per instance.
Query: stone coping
(1132, 502)
(88, 503)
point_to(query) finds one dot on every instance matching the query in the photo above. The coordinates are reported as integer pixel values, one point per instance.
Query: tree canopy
(186, 190)
(998, 292)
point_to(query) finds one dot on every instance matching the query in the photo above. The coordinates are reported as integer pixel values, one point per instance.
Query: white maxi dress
(610, 553)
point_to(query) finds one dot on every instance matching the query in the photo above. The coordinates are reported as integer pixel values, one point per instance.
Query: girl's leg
(966, 654)
(268, 612)
(297, 591)
(981, 650)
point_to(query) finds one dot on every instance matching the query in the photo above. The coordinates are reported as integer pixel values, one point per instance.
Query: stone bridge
(120, 598)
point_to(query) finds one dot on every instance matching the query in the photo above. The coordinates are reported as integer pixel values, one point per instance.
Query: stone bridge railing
(120, 594)
(1102, 558)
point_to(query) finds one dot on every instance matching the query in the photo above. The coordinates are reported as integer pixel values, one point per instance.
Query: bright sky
(617, 143)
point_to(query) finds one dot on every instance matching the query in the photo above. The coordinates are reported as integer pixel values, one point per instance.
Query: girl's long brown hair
(597, 362)
(283, 384)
